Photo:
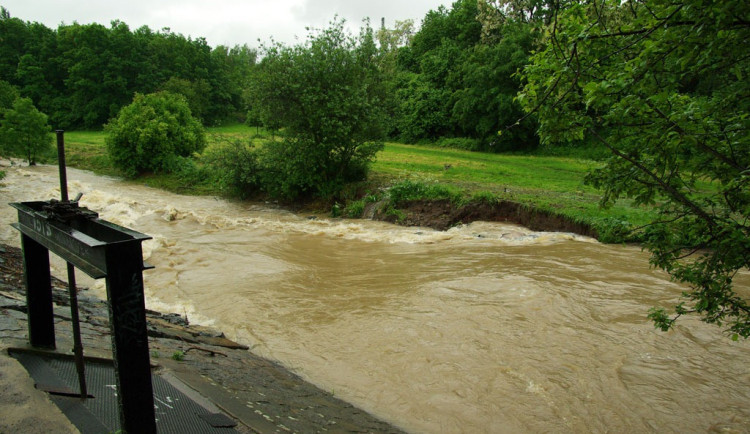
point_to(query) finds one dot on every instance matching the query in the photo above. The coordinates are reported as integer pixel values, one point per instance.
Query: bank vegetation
(645, 102)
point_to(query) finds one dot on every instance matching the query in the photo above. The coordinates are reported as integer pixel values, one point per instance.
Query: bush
(410, 190)
(355, 209)
(189, 173)
(614, 230)
(234, 165)
(150, 133)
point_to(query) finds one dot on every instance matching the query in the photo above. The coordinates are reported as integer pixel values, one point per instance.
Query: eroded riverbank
(480, 328)
(443, 215)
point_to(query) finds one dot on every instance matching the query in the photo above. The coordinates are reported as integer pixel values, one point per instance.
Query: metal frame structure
(101, 250)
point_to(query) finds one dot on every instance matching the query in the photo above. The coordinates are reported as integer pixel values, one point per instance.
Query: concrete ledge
(23, 408)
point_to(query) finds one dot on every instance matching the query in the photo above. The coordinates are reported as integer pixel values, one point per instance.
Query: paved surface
(23, 409)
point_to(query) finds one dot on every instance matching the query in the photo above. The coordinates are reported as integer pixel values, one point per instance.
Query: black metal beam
(101, 249)
(38, 293)
(127, 318)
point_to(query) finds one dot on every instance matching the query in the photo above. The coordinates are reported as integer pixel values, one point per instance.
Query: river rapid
(482, 328)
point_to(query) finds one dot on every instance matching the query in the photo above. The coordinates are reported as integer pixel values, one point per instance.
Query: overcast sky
(223, 22)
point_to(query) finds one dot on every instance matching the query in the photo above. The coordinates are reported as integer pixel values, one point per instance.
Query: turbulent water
(483, 328)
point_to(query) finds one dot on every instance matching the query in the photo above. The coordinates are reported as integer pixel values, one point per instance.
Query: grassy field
(550, 183)
(86, 150)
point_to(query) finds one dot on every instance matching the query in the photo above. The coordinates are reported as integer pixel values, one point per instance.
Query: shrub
(148, 134)
(614, 230)
(355, 209)
(234, 166)
(408, 190)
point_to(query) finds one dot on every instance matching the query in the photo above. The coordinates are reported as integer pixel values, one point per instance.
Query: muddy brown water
(482, 328)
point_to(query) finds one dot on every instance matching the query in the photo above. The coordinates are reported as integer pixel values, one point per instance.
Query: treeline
(81, 75)
(453, 79)
(661, 86)
(456, 77)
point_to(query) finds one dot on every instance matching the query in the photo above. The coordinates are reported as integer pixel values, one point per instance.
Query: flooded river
(483, 328)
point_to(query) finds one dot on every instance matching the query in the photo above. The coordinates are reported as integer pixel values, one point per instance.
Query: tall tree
(82, 74)
(96, 83)
(535, 12)
(38, 74)
(431, 71)
(328, 95)
(8, 94)
(401, 35)
(240, 62)
(663, 85)
(13, 37)
(24, 131)
(485, 102)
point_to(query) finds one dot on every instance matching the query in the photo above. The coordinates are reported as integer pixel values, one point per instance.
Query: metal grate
(175, 411)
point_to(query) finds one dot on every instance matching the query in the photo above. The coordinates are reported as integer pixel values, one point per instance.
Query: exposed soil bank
(442, 215)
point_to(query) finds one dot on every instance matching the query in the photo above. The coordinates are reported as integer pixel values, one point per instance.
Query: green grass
(545, 182)
(238, 131)
(86, 150)
(526, 173)
(551, 183)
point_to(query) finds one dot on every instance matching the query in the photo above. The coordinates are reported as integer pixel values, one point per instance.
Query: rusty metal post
(127, 318)
(77, 344)
(72, 288)
(38, 293)
(61, 165)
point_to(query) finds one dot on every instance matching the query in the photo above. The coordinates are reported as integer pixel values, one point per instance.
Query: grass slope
(550, 183)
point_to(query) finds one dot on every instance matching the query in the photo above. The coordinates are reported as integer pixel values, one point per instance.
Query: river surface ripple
(482, 328)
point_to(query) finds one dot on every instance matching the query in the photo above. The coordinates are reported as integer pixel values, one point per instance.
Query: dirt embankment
(442, 215)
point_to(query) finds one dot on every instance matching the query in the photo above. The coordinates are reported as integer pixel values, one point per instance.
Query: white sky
(223, 22)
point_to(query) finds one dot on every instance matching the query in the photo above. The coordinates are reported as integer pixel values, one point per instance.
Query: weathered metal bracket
(102, 250)
(82, 240)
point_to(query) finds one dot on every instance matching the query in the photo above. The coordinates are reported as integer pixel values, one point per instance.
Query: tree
(24, 131)
(13, 37)
(38, 74)
(82, 75)
(431, 72)
(152, 133)
(8, 95)
(328, 95)
(664, 86)
(96, 84)
(533, 12)
(422, 110)
(390, 40)
(196, 94)
(485, 103)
